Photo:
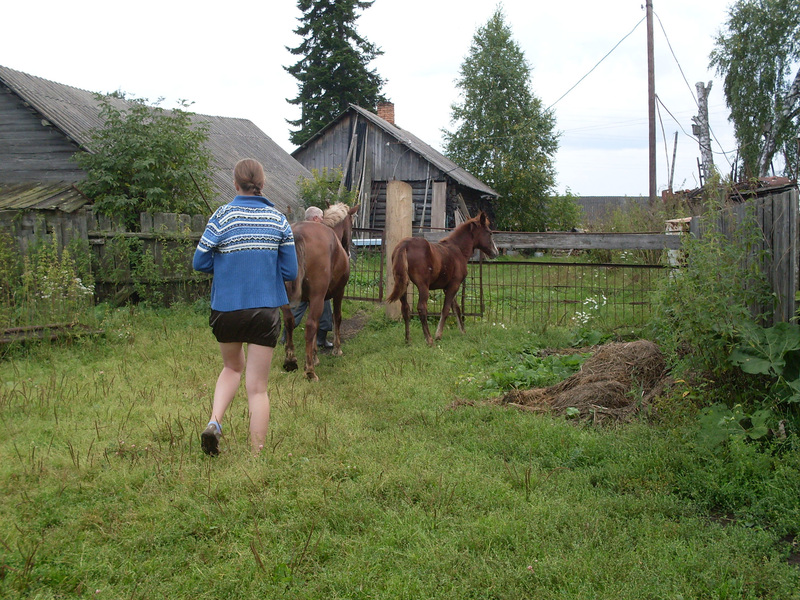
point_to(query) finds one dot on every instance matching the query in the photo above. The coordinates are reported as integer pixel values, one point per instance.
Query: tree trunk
(791, 104)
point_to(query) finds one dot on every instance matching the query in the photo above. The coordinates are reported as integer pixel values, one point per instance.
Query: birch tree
(757, 53)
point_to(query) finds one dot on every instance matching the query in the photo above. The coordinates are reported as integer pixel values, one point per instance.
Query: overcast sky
(229, 59)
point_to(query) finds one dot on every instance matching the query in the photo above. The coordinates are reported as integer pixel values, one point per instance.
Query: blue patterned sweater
(249, 247)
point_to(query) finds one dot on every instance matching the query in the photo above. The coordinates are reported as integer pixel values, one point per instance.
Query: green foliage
(503, 135)
(718, 424)
(146, 159)
(529, 369)
(756, 54)
(324, 189)
(702, 310)
(635, 216)
(53, 288)
(563, 212)
(333, 69)
(775, 353)
(145, 269)
(10, 274)
(724, 473)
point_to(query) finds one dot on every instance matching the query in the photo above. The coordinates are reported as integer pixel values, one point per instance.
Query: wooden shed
(43, 124)
(371, 151)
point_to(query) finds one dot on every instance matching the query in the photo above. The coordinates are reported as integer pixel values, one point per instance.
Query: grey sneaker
(209, 440)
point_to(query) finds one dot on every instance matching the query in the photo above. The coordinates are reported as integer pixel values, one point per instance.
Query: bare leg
(233, 362)
(259, 360)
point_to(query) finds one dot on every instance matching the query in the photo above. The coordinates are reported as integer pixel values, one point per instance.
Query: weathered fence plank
(578, 241)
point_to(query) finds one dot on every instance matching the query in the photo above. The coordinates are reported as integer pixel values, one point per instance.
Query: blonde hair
(248, 174)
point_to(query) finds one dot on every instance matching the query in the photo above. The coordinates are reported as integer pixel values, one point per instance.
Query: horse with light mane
(323, 270)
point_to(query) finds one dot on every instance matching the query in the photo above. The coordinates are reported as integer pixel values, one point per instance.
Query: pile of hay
(613, 384)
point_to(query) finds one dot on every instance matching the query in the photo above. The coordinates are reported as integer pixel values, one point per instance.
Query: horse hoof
(312, 376)
(290, 365)
(336, 352)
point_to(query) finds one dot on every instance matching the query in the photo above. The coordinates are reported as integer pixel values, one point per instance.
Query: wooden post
(438, 204)
(651, 99)
(399, 212)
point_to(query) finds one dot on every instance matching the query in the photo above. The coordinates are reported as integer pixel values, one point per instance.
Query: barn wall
(377, 158)
(385, 157)
(31, 149)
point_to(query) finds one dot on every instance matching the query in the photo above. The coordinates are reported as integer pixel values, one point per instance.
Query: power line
(691, 92)
(597, 65)
(669, 45)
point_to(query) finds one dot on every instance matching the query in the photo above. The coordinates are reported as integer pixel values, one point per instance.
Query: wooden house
(43, 124)
(371, 151)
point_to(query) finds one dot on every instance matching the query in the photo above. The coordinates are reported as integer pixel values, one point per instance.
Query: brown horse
(438, 266)
(323, 269)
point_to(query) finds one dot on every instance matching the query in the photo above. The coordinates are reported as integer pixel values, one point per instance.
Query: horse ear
(354, 209)
(484, 219)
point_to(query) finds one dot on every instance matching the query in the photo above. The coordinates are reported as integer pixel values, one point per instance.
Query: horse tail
(400, 273)
(294, 289)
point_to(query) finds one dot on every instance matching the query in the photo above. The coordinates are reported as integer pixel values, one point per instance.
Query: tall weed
(54, 287)
(635, 217)
(701, 311)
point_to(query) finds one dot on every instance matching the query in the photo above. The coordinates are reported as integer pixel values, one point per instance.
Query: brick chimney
(386, 111)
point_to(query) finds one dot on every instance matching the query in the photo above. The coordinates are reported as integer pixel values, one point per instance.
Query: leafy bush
(702, 311)
(635, 217)
(773, 352)
(10, 274)
(324, 189)
(563, 212)
(146, 159)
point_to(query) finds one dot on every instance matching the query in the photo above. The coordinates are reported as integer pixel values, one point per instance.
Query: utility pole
(651, 98)
(701, 129)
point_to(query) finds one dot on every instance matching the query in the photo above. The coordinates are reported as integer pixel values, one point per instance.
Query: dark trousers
(325, 321)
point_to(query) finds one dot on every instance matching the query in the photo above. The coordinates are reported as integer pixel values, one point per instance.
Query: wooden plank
(45, 332)
(579, 241)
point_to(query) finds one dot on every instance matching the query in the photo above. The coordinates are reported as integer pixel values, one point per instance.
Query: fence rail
(535, 291)
(129, 264)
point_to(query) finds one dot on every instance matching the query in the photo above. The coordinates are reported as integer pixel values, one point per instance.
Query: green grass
(389, 478)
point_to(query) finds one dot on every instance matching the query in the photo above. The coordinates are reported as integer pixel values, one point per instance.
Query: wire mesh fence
(560, 293)
(526, 291)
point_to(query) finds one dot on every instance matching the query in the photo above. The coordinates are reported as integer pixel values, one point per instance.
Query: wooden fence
(775, 215)
(157, 259)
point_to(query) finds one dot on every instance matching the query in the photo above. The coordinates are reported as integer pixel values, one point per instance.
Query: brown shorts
(260, 326)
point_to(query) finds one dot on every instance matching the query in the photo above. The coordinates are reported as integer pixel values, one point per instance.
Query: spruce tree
(333, 69)
(503, 135)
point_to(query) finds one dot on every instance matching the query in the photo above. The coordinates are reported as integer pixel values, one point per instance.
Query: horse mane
(335, 214)
(463, 225)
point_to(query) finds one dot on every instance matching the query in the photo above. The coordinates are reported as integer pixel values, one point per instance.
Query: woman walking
(248, 246)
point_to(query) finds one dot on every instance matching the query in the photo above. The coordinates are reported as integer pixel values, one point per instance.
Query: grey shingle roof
(76, 112)
(41, 196)
(436, 158)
